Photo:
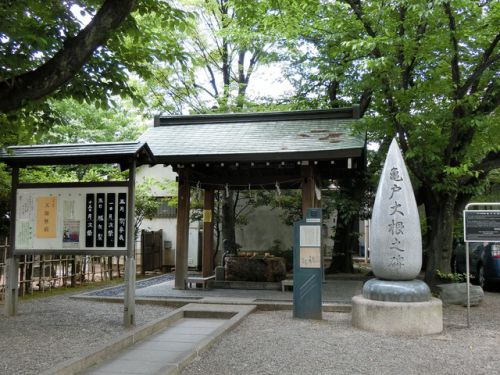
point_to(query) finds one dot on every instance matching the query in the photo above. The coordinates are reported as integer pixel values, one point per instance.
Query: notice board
(482, 225)
(76, 219)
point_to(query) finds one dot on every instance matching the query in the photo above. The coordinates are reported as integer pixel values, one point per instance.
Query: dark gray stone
(456, 294)
(219, 273)
(396, 291)
(242, 268)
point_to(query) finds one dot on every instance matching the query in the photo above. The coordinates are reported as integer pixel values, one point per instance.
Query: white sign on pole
(310, 236)
(482, 225)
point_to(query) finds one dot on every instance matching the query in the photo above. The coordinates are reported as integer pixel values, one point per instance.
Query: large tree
(83, 49)
(33, 31)
(225, 46)
(425, 72)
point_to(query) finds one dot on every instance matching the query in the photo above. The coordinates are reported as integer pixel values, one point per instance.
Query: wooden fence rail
(44, 272)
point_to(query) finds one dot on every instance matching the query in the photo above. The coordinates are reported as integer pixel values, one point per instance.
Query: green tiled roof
(262, 136)
(78, 153)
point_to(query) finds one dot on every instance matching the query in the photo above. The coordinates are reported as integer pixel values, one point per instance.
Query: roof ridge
(213, 118)
(75, 144)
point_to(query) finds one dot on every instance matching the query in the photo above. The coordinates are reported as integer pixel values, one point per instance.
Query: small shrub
(451, 277)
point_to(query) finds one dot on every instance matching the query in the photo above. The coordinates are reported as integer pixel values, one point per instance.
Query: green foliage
(451, 277)
(289, 201)
(75, 122)
(225, 44)
(425, 72)
(81, 122)
(34, 31)
(401, 54)
(146, 204)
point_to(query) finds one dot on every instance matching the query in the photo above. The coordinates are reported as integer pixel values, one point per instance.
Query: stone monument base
(398, 318)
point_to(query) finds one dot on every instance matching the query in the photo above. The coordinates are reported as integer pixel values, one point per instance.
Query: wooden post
(11, 264)
(181, 250)
(130, 268)
(308, 185)
(208, 233)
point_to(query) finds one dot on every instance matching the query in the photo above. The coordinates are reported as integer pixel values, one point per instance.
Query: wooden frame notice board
(72, 219)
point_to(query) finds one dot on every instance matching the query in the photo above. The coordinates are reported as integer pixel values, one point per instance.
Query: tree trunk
(440, 219)
(348, 202)
(346, 240)
(217, 225)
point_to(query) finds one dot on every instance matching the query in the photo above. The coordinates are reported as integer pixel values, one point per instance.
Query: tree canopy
(425, 72)
(84, 49)
(225, 45)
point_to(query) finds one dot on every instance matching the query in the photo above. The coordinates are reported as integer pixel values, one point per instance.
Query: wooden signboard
(64, 218)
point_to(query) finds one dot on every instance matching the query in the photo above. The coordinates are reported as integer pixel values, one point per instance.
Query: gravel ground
(274, 343)
(50, 330)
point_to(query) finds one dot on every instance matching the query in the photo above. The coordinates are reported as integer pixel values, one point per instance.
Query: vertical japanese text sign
(396, 240)
(46, 217)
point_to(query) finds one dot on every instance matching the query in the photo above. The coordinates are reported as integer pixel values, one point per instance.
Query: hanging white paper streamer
(317, 190)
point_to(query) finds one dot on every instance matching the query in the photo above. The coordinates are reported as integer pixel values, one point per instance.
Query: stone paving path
(120, 289)
(162, 346)
(162, 287)
(162, 352)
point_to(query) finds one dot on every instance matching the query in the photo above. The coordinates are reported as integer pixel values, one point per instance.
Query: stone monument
(396, 301)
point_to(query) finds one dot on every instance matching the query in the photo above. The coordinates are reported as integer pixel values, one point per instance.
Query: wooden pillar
(308, 188)
(11, 264)
(181, 248)
(208, 233)
(311, 195)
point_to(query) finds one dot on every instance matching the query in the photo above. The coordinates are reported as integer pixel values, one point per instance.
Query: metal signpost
(307, 266)
(479, 226)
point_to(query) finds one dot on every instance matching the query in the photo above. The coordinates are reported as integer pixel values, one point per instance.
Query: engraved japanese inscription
(395, 241)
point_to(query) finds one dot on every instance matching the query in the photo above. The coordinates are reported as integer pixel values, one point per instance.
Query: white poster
(24, 234)
(25, 209)
(310, 236)
(69, 210)
(310, 257)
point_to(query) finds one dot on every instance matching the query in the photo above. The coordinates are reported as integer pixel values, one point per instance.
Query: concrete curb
(215, 336)
(234, 314)
(262, 305)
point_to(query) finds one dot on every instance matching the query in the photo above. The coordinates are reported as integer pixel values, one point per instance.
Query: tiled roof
(270, 136)
(78, 153)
